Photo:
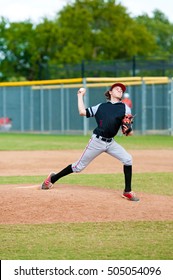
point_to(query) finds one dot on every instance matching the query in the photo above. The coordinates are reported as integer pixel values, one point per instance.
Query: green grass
(91, 241)
(14, 142)
(104, 241)
(99, 241)
(153, 183)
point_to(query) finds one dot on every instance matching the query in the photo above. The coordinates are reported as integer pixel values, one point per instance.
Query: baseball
(82, 89)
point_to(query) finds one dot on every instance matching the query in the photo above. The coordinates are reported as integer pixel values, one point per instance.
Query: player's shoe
(130, 196)
(47, 182)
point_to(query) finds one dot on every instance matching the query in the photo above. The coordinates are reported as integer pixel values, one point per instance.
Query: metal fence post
(42, 108)
(31, 110)
(22, 109)
(143, 128)
(4, 102)
(171, 108)
(83, 69)
(67, 110)
(153, 107)
(62, 109)
(50, 109)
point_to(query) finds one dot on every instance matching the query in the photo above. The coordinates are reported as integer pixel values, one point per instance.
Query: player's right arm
(81, 106)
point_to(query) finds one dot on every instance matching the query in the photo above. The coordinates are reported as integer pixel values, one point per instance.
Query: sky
(35, 10)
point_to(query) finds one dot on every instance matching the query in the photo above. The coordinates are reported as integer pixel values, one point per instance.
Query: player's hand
(81, 91)
(125, 129)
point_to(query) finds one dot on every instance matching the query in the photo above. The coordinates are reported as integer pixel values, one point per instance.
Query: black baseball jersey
(108, 117)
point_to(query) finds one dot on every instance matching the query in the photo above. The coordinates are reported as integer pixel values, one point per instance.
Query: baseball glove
(127, 124)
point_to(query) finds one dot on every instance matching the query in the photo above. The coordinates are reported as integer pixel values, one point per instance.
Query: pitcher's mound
(66, 203)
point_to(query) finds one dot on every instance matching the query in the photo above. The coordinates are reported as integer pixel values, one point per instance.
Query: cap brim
(119, 85)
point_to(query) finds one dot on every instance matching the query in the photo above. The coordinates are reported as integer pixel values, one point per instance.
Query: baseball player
(108, 116)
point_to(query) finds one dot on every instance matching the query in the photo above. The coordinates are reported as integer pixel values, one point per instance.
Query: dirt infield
(25, 204)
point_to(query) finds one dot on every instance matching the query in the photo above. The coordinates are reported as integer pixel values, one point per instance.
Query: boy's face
(116, 92)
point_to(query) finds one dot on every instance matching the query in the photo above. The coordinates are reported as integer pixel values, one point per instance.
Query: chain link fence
(51, 106)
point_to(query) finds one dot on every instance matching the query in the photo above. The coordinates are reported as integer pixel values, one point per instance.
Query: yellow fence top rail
(89, 81)
(126, 79)
(114, 79)
(44, 82)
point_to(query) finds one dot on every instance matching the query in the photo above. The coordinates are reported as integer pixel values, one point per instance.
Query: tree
(161, 30)
(15, 52)
(92, 30)
(102, 30)
(26, 49)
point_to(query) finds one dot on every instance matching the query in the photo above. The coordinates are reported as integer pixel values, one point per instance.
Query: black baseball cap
(119, 85)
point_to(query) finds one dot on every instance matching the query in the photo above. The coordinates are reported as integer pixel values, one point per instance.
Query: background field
(128, 239)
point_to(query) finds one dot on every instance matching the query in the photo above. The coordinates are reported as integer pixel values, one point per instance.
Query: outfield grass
(15, 142)
(104, 241)
(88, 241)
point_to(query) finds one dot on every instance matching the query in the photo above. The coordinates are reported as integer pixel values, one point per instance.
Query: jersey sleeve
(91, 111)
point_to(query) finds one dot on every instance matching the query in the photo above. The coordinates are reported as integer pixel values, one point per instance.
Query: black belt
(108, 140)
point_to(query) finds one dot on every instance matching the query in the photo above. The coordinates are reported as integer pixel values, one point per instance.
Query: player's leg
(92, 150)
(53, 177)
(117, 151)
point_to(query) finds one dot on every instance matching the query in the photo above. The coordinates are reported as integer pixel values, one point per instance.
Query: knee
(128, 160)
(77, 168)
